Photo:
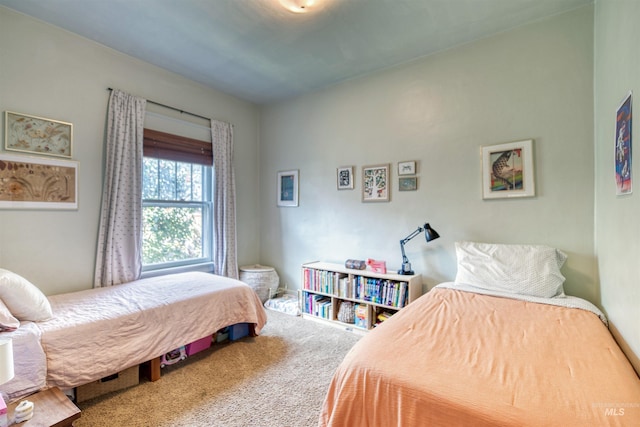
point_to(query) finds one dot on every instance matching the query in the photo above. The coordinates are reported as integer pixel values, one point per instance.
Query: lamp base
(406, 269)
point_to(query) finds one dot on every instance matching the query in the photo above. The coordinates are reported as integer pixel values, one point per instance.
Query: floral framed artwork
(375, 183)
(623, 147)
(345, 178)
(28, 182)
(507, 170)
(37, 135)
(288, 188)
(407, 168)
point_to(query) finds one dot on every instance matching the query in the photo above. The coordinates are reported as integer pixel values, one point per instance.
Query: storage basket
(124, 379)
(346, 312)
(261, 278)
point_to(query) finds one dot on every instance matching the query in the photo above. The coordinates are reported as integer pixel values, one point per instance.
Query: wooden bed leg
(252, 330)
(154, 369)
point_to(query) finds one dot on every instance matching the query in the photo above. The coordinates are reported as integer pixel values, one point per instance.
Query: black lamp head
(429, 233)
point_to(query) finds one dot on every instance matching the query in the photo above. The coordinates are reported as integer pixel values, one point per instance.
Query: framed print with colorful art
(375, 183)
(507, 170)
(288, 188)
(623, 147)
(345, 178)
(28, 182)
(37, 135)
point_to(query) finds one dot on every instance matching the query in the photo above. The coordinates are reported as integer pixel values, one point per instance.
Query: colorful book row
(382, 291)
(379, 291)
(317, 305)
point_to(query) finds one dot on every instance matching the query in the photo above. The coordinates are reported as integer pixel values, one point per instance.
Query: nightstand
(52, 408)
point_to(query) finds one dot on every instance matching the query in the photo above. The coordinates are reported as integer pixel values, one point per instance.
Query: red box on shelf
(199, 345)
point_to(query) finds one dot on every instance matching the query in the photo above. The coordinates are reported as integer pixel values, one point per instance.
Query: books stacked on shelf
(381, 317)
(361, 315)
(381, 291)
(317, 305)
(345, 288)
(322, 280)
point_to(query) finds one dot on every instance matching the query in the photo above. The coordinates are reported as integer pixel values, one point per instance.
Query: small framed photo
(408, 183)
(407, 168)
(29, 182)
(375, 183)
(345, 178)
(37, 135)
(507, 170)
(288, 188)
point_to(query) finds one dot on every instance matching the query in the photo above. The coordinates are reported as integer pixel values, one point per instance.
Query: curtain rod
(173, 108)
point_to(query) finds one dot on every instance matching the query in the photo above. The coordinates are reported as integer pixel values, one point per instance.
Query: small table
(52, 408)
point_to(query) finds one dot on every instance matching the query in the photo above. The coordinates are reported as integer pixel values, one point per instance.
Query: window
(177, 209)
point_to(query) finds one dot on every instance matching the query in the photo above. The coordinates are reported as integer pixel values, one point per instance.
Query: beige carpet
(276, 379)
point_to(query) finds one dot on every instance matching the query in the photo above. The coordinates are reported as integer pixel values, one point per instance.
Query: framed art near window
(375, 183)
(288, 188)
(507, 170)
(345, 178)
(37, 135)
(28, 182)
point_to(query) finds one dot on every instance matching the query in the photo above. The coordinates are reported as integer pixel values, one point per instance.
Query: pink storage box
(199, 345)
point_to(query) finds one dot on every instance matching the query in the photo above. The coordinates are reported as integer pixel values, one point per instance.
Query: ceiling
(261, 51)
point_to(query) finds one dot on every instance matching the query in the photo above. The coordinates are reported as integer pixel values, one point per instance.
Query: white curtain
(119, 253)
(224, 201)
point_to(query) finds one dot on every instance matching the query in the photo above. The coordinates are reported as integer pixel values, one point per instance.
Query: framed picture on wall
(623, 147)
(407, 168)
(29, 182)
(345, 178)
(37, 135)
(288, 188)
(409, 183)
(375, 183)
(507, 170)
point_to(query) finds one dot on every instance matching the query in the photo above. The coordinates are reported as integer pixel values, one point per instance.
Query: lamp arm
(406, 266)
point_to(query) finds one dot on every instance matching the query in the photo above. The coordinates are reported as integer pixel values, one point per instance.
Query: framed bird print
(507, 170)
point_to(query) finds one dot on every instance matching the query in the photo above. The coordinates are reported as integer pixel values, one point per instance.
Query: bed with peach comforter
(460, 358)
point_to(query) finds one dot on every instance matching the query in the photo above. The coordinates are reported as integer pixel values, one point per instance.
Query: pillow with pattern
(521, 269)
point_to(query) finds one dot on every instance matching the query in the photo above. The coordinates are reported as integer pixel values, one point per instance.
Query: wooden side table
(52, 408)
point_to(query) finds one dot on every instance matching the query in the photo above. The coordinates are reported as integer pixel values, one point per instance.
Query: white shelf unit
(326, 285)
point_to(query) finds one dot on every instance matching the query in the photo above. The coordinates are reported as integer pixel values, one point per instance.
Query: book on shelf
(317, 305)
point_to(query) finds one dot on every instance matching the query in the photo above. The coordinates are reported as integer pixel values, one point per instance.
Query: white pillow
(521, 269)
(22, 298)
(7, 321)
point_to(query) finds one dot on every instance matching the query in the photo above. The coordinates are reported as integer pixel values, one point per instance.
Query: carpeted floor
(277, 379)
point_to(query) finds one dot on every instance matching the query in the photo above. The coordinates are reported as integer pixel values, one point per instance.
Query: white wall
(534, 82)
(49, 72)
(617, 71)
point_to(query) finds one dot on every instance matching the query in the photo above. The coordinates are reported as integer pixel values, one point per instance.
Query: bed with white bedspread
(97, 332)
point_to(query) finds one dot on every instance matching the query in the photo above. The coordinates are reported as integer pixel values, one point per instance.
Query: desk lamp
(429, 234)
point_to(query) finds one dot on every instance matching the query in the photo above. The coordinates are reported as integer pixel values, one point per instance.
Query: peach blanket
(455, 358)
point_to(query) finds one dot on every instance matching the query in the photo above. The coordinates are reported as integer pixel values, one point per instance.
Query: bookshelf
(375, 296)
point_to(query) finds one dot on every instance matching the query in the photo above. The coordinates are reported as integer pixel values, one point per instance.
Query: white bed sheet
(99, 332)
(29, 362)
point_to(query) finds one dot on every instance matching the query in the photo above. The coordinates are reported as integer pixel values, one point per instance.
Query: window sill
(206, 267)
